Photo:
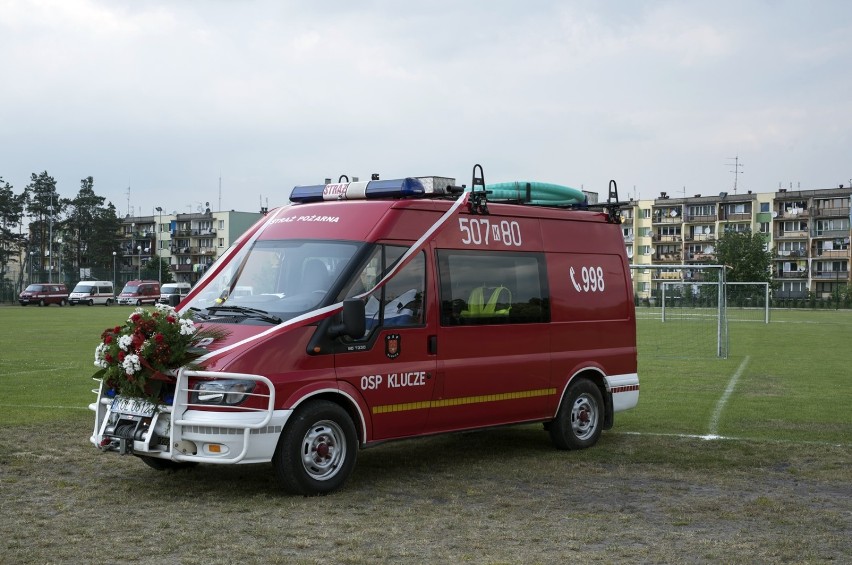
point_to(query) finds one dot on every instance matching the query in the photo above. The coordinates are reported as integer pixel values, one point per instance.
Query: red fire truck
(387, 309)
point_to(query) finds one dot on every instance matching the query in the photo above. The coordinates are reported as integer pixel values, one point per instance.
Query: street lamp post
(50, 242)
(159, 248)
(59, 241)
(139, 248)
(113, 270)
(32, 257)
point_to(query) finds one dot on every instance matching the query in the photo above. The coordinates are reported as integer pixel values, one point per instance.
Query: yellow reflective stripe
(462, 401)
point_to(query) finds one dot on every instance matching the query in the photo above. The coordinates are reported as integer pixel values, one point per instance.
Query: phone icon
(576, 286)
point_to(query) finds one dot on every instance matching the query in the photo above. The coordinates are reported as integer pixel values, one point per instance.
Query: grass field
(773, 486)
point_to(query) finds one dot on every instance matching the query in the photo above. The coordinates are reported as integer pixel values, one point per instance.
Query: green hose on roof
(541, 193)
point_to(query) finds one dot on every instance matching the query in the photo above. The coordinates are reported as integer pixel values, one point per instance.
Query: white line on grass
(732, 438)
(714, 421)
(44, 407)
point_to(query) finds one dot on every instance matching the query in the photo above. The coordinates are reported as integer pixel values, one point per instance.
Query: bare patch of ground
(499, 496)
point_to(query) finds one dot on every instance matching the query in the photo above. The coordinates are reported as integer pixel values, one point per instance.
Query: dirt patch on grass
(502, 496)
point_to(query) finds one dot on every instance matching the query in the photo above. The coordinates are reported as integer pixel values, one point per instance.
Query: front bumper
(184, 432)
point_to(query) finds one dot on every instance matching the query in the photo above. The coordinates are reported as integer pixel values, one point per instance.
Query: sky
(181, 103)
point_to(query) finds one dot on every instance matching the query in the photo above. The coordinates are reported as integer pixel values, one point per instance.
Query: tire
(40, 303)
(317, 449)
(62, 303)
(91, 302)
(108, 302)
(580, 419)
(139, 303)
(167, 464)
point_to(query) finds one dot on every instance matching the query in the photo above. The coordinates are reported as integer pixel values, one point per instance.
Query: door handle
(432, 346)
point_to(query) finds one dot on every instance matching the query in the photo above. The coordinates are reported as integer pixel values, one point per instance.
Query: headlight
(222, 393)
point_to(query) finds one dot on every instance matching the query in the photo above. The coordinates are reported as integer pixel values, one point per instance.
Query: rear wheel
(139, 303)
(108, 302)
(317, 450)
(580, 419)
(41, 302)
(91, 302)
(63, 302)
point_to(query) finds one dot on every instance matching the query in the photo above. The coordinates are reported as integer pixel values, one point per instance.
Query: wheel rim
(584, 417)
(323, 450)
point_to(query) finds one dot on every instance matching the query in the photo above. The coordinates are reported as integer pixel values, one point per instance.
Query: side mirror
(353, 322)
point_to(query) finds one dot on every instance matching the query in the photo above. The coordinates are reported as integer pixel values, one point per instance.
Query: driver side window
(399, 302)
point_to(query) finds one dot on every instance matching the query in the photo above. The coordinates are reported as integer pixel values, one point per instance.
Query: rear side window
(487, 287)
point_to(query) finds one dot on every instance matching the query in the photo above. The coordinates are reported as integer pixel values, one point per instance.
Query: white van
(179, 290)
(92, 292)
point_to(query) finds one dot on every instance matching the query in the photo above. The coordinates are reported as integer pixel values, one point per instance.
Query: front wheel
(317, 449)
(580, 419)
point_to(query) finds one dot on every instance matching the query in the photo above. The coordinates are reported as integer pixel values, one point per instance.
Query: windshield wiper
(198, 313)
(247, 312)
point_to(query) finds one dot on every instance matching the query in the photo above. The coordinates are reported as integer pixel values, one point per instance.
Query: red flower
(159, 338)
(121, 356)
(116, 330)
(107, 339)
(171, 319)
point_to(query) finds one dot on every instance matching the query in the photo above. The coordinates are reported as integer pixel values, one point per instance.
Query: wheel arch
(597, 376)
(344, 400)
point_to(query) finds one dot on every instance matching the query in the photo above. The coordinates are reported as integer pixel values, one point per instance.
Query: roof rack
(528, 193)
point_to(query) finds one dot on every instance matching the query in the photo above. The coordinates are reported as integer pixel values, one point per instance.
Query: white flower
(131, 364)
(187, 327)
(166, 309)
(124, 342)
(99, 356)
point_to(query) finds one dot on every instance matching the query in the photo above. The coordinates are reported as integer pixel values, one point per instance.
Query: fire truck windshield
(284, 278)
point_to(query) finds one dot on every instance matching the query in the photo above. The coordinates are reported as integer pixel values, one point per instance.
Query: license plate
(135, 406)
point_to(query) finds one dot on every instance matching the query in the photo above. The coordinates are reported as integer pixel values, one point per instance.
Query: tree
(91, 228)
(11, 217)
(43, 205)
(745, 255)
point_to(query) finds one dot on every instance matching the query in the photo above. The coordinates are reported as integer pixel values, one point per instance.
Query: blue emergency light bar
(364, 190)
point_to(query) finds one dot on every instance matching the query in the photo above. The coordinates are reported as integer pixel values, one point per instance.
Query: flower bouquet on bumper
(136, 359)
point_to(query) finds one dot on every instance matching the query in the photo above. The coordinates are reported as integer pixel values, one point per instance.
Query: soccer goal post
(681, 310)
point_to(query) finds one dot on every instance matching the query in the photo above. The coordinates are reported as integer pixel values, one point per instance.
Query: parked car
(173, 293)
(139, 293)
(44, 294)
(93, 292)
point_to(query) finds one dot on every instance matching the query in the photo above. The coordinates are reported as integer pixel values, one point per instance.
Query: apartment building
(808, 234)
(189, 243)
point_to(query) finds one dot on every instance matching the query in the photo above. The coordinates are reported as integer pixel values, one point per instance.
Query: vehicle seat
(315, 276)
(477, 307)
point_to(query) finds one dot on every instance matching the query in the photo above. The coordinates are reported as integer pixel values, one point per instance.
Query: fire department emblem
(393, 345)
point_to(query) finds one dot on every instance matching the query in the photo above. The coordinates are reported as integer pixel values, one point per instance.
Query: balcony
(832, 233)
(696, 219)
(790, 215)
(735, 217)
(180, 268)
(700, 257)
(803, 234)
(831, 275)
(832, 253)
(831, 212)
(667, 258)
(792, 275)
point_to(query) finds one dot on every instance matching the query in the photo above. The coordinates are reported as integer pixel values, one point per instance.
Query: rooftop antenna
(737, 166)
(220, 191)
(128, 197)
